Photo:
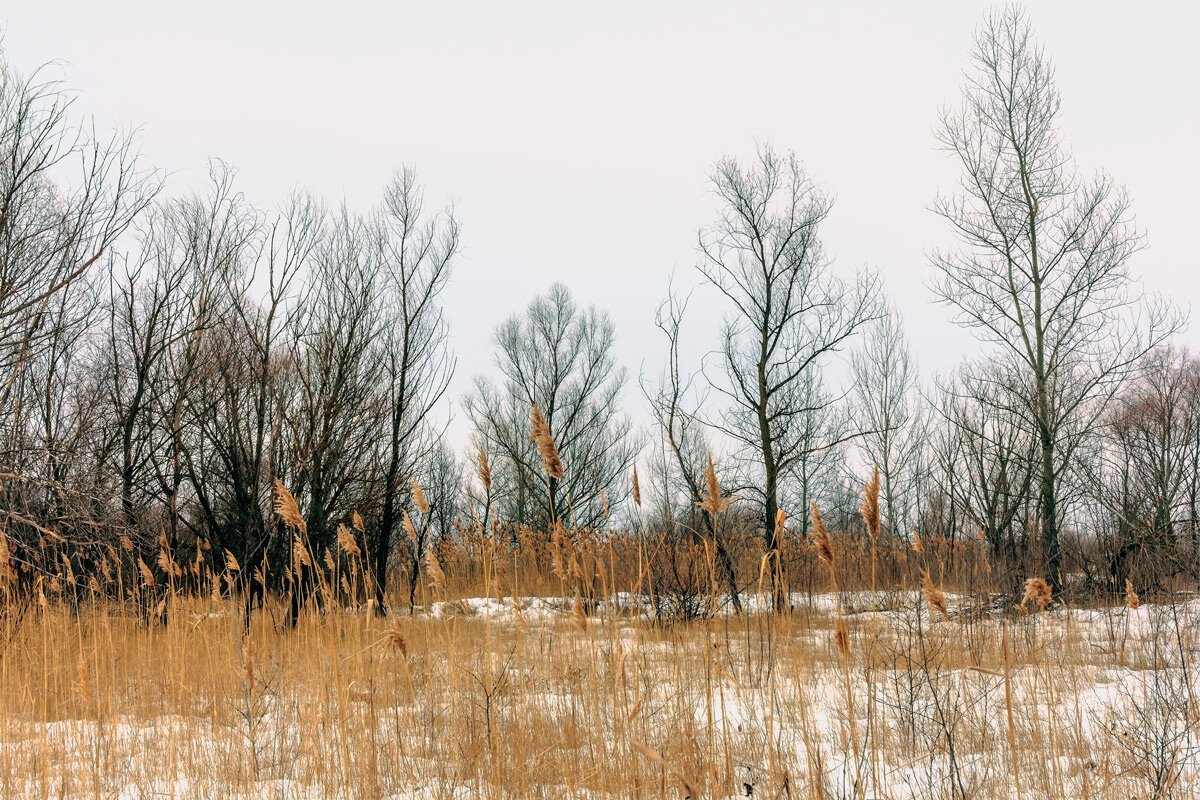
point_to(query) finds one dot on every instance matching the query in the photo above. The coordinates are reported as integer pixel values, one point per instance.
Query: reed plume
(346, 542)
(577, 613)
(933, 595)
(713, 503)
(841, 638)
(419, 498)
(540, 434)
(1131, 597)
(485, 470)
(437, 578)
(406, 523)
(557, 545)
(637, 488)
(8, 575)
(288, 509)
(396, 639)
(870, 504)
(300, 552)
(147, 575)
(821, 537)
(1037, 590)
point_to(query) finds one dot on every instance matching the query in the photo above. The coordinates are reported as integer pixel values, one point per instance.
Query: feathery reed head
(578, 616)
(870, 504)
(558, 543)
(346, 542)
(1037, 590)
(537, 423)
(485, 470)
(437, 578)
(357, 521)
(147, 575)
(841, 638)
(396, 639)
(933, 595)
(418, 497)
(300, 553)
(821, 538)
(540, 434)
(713, 503)
(406, 523)
(8, 575)
(1131, 597)
(287, 508)
(710, 476)
(637, 488)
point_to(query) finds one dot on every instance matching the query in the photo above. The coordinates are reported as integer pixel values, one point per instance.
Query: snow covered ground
(1097, 702)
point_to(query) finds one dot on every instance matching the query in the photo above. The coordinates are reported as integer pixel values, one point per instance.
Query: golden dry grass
(859, 694)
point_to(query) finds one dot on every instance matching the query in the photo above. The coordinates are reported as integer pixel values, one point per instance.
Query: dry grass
(848, 694)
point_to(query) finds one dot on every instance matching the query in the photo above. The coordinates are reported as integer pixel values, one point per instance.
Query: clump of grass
(1037, 590)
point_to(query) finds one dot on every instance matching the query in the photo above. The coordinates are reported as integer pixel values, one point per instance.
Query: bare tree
(1042, 272)
(985, 459)
(147, 298)
(416, 253)
(335, 408)
(685, 446)
(235, 442)
(558, 356)
(52, 233)
(216, 234)
(1148, 482)
(789, 315)
(889, 406)
(67, 195)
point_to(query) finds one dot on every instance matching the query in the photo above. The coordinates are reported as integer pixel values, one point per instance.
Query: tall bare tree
(67, 195)
(334, 407)
(52, 232)
(888, 402)
(1151, 439)
(984, 458)
(559, 356)
(417, 250)
(236, 440)
(789, 314)
(1043, 268)
(685, 446)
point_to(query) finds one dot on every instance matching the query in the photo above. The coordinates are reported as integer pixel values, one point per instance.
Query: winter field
(314, 485)
(491, 697)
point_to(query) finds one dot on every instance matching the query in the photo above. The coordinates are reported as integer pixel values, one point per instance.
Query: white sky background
(575, 140)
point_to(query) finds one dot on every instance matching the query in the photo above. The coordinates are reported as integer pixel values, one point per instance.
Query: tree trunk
(1051, 553)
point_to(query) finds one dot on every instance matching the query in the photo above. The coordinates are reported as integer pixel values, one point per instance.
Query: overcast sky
(575, 140)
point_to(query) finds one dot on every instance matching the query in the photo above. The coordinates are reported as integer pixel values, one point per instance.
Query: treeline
(170, 364)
